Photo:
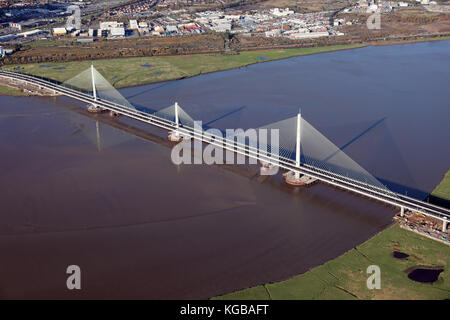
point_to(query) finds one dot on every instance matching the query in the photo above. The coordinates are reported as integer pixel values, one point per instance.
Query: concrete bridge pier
(402, 211)
(444, 224)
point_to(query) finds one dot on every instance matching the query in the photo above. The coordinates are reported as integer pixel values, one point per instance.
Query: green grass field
(443, 189)
(345, 277)
(43, 43)
(127, 72)
(7, 91)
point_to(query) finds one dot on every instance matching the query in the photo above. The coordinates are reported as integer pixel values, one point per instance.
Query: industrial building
(59, 31)
(117, 32)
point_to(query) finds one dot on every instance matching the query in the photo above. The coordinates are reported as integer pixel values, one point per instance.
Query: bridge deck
(331, 178)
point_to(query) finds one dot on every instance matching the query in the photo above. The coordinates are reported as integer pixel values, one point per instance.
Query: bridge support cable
(321, 153)
(335, 167)
(179, 117)
(287, 137)
(92, 81)
(301, 142)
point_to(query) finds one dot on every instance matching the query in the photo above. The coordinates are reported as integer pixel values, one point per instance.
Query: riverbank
(442, 191)
(8, 91)
(345, 277)
(19, 88)
(130, 72)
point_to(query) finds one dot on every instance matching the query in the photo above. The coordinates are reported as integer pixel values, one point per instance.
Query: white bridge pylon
(299, 141)
(177, 115)
(298, 144)
(92, 81)
(316, 159)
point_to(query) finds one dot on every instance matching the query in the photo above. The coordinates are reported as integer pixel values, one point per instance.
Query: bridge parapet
(320, 173)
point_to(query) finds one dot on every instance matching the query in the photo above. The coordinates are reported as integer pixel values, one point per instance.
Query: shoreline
(392, 238)
(319, 50)
(345, 47)
(246, 65)
(397, 222)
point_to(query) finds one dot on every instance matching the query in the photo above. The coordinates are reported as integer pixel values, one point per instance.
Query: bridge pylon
(93, 107)
(298, 141)
(90, 80)
(293, 177)
(174, 135)
(94, 90)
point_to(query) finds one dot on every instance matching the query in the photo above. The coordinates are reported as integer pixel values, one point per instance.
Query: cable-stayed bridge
(302, 150)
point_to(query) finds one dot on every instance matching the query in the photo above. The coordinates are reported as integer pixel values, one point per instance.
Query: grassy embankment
(127, 72)
(345, 277)
(443, 189)
(7, 91)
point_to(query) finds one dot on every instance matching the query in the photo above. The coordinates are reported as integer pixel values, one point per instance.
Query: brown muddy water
(139, 226)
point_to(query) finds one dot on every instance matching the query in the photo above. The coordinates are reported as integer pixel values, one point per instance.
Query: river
(140, 227)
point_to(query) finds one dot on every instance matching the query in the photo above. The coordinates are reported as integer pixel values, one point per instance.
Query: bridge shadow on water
(403, 189)
(415, 193)
(319, 198)
(439, 201)
(225, 115)
(399, 188)
(144, 109)
(152, 88)
(393, 186)
(357, 137)
(245, 170)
